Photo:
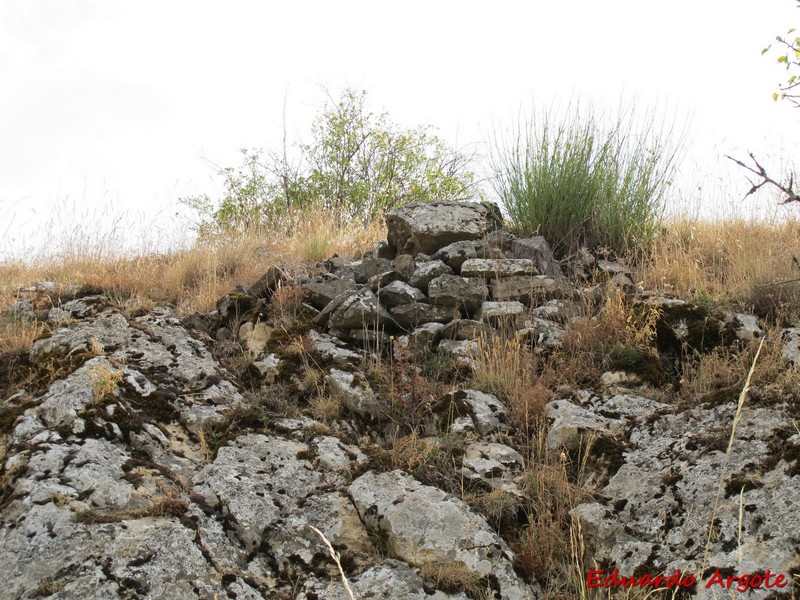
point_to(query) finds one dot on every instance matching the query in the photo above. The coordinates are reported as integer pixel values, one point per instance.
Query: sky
(111, 111)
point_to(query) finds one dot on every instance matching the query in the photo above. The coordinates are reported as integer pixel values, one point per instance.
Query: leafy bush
(358, 165)
(577, 181)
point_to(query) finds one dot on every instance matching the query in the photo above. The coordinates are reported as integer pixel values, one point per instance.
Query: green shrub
(358, 165)
(583, 180)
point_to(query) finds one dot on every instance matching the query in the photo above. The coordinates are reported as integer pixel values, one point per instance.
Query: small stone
(427, 272)
(452, 290)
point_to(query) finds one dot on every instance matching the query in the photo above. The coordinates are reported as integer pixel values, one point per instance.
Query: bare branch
(785, 281)
(787, 189)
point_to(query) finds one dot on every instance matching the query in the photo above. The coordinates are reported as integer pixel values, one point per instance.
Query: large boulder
(428, 226)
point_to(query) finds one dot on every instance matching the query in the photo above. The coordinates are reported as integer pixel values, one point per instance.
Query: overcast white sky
(112, 103)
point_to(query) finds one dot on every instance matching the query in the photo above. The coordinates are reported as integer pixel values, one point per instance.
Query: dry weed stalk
(737, 417)
(335, 556)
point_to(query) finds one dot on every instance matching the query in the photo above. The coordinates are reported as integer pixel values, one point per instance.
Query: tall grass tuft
(585, 179)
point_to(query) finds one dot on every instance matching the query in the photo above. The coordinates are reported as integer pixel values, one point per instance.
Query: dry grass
(410, 451)
(104, 380)
(17, 334)
(543, 545)
(454, 577)
(325, 407)
(730, 261)
(168, 506)
(610, 331)
(719, 375)
(508, 369)
(192, 278)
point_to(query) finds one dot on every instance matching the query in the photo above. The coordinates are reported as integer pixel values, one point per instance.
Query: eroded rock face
(660, 502)
(422, 524)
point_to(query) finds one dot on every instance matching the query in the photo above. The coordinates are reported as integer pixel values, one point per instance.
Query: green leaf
(783, 59)
(775, 96)
(792, 30)
(765, 50)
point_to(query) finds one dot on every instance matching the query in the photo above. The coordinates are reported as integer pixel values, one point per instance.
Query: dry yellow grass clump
(734, 260)
(191, 278)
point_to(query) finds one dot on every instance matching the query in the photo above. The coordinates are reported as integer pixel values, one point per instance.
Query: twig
(778, 282)
(335, 557)
(791, 195)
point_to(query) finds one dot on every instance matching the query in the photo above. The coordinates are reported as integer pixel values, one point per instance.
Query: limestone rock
(354, 393)
(383, 280)
(420, 341)
(673, 460)
(560, 311)
(494, 464)
(390, 579)
(454, 255)
(252, 480)
(405, 265)
(452, 290)
(497, 268)
(500, 314)
(537, 250)
(332, 349)
(422, 525)
(398, 293)
(746, 326)
(463, 352)
(427, 272)
(428, 226)
(543, 333)
(418, 313)
(486, 412)
(267, 366)
(467, 330)
(369, 267)
(267, 284)
(322, 290)
(530, 290)
(791, 346)
(359, 309)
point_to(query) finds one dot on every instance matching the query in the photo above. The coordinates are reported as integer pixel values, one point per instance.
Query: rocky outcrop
(146, 456)
(674, 477)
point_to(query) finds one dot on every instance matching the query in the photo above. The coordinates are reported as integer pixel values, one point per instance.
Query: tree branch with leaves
(789, 48)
